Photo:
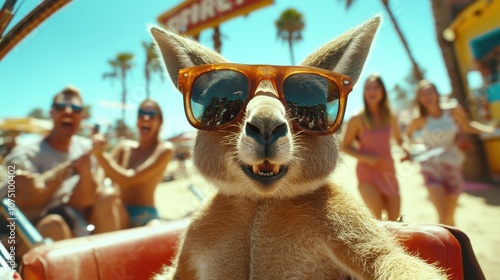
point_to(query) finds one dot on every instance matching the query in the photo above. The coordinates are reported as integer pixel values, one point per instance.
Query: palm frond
(289, 23)
(348, 3)
(109, 75)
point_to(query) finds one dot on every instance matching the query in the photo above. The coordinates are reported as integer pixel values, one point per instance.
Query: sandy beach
(478, 213)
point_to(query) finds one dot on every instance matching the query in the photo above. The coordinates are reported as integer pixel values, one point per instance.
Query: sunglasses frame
(255, 74)
(151, 113)
(75, 108)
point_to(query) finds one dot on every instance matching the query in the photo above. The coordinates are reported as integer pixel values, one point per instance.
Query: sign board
(193, 16)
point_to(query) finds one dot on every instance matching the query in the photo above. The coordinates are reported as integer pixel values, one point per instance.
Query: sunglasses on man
(62, 106)
(151, 113)
(216, 95)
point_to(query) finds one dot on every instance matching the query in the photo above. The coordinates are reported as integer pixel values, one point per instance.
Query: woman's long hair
(383, 105)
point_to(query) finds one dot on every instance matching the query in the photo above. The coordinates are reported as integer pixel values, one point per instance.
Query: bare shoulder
(164, 149)
(352, 130)
(415, 125)
(166, 146)
(129, 143)
(355, 121)
(355, 124)
(125, 145)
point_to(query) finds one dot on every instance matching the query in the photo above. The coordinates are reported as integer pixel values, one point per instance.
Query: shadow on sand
(489, 192)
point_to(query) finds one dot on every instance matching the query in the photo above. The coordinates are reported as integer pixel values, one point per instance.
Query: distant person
(442, 169)
(137, 167)
(368, 139)
(56, 182)
(9, 142)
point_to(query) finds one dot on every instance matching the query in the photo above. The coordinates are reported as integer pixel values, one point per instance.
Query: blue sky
(73, 46)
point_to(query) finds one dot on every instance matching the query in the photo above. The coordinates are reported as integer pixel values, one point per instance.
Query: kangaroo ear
(179, 52)
(347, 53)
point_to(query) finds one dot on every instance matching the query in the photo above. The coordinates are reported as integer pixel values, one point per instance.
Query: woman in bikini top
(137, 167)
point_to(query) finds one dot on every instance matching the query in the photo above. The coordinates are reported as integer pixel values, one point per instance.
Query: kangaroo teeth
(266, 169)
(255, 169)
(276, 169)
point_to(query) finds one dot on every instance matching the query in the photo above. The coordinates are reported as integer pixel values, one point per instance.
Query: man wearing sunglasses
(55, 178)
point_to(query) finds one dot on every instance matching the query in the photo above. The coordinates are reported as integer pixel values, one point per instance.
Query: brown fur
(301, 226)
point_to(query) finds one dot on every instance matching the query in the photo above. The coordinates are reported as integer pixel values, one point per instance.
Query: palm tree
(123, 131)
(121, 64)
(416, 69)
(290, 25)
(152, 64)
(26, 24)
(417, 73)
(38, 113)
(442, 19)
(475, 160)
(216, 37)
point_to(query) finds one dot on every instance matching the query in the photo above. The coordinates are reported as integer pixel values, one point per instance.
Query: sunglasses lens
(62, 106)
(143, 113)
(59, 106)
(312, 100)
(217, 97)
(76, 108)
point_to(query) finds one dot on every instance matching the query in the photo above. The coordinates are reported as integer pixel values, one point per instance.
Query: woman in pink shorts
(372, 131)
(442, 169)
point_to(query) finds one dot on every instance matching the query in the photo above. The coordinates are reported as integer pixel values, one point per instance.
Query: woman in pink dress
(368, 139)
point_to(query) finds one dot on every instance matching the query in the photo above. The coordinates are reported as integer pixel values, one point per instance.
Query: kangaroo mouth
(265, 172)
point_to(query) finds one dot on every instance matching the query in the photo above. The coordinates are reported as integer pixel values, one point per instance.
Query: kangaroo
(276, 213)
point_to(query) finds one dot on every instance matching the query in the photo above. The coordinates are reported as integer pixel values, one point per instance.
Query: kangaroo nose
(266, 123)
(265, 133)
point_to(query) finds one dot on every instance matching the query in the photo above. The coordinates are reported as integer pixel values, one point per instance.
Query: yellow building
(475, 34)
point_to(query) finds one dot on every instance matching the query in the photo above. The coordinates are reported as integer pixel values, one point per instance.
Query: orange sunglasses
(216, 95)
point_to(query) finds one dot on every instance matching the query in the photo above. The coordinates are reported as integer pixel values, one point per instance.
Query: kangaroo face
(263, 155)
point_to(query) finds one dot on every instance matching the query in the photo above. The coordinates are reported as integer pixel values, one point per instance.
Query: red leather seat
(127, 254)
(139, 253)
(432, 243)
